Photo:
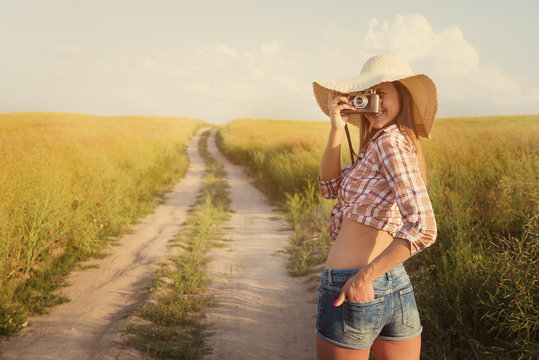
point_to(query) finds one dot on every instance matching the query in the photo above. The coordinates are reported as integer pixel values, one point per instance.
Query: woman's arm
(359, 287)
(330, 167)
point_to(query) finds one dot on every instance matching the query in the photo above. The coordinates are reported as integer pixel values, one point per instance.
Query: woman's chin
(380, 123)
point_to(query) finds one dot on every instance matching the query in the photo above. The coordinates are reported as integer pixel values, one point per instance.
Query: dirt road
(85, 327)
(263, 313)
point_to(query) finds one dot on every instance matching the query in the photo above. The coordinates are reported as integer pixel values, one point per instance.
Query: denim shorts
(392, 315)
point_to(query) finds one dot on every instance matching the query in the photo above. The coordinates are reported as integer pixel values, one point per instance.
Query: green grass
(70, 184)
(173, 328)
(477, 287)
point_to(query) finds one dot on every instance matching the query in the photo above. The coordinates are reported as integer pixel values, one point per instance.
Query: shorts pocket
(364, 318)
(410, 314)
(330, 289)
(326, 297)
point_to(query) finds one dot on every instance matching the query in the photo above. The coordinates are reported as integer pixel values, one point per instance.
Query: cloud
(445, 55)
(138, 100)
(270, 49)
(410, 37)
(70, 52)
(413, 38)
(219, 81)
(72, 56)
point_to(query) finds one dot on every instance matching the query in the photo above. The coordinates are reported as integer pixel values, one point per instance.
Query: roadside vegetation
(478, 286)
(69, 185)
(170, 327)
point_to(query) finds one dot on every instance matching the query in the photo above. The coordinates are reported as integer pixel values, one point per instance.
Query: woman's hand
(357, 290)
(336, 103)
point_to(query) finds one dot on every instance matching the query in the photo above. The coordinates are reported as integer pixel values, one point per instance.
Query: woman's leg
(397, 350)
(328, 351)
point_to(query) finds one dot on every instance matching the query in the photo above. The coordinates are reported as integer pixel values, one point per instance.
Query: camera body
(367, 101)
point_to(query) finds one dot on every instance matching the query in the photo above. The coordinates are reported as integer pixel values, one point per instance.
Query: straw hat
(384, 68)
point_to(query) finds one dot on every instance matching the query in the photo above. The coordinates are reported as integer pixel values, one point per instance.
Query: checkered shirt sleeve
(330, 188)
(396, 159)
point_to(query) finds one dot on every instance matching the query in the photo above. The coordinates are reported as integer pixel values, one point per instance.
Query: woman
(383, 215)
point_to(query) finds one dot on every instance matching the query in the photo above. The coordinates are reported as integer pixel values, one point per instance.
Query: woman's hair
(405, 121)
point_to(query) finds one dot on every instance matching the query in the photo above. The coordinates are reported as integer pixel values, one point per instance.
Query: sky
(221, 60)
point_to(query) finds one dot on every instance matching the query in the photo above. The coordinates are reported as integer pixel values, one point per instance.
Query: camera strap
(352, 153)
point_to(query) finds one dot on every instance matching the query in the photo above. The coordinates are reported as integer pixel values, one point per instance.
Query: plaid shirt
(384, 189)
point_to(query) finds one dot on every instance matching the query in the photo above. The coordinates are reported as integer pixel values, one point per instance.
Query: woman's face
(390, 105)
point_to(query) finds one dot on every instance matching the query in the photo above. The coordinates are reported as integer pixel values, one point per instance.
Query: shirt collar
(389, 128)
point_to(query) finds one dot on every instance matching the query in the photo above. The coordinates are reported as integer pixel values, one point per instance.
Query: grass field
(477, 287)
(69, 184)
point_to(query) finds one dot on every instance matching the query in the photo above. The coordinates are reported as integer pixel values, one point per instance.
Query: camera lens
(360, 101)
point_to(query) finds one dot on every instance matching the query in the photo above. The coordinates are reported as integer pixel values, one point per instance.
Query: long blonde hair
(405, 121)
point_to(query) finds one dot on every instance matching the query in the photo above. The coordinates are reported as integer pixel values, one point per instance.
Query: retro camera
(365, 101)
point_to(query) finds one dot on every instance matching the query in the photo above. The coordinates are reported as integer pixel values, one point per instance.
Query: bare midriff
(356, 245)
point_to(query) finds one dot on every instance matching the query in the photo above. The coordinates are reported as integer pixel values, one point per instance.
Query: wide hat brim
(421, 87)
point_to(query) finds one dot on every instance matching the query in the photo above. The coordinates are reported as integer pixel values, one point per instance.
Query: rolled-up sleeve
(398, 162)
(330, 188)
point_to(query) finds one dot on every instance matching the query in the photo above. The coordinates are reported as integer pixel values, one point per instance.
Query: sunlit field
(478, 286)
(69, 184)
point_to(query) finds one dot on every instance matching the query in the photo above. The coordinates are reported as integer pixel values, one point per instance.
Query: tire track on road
(262, 312)
(89, 325)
